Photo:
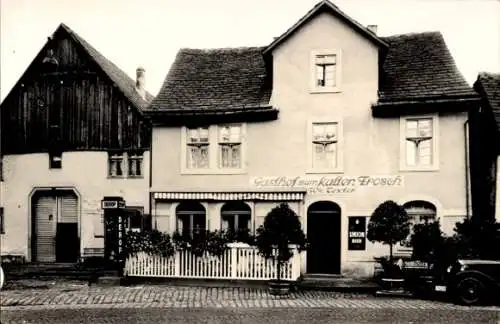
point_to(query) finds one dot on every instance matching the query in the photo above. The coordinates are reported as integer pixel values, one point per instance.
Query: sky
(149, 33)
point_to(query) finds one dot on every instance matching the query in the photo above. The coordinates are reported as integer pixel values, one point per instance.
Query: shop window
(235, 216)
(191, 218)
(419, 212)
(135, 219)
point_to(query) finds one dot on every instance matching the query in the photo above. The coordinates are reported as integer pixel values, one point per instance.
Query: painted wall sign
(329, 184)
(357, 233)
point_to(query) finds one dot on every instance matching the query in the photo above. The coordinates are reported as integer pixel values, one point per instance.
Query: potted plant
(389, 224)
(281, 229)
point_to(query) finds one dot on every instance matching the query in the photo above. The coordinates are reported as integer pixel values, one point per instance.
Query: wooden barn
(72, 132)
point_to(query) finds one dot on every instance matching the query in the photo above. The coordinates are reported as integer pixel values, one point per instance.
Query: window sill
(212, 171)
(116, 177)
(431, 168)
(325, 90)
(135, 177)
(324, 171)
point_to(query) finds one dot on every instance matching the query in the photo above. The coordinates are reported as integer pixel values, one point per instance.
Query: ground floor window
(136, 220)
(236, 216)
(191, 218)
(419, 211)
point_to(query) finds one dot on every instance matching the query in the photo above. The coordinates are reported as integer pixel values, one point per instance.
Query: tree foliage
(281, 229)
(389, 224)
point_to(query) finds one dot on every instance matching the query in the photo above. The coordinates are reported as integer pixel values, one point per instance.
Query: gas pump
(114, 231)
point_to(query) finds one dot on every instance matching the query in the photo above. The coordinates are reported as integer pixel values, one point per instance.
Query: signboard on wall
(328, 184)
(356, 233)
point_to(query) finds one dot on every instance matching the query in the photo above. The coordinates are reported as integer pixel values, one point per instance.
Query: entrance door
(55, 227)
(45, 224)
(324, 235)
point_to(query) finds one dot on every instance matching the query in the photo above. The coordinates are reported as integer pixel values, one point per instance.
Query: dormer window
(325, 74)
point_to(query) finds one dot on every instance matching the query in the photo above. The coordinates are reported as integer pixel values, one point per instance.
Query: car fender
(488, 281)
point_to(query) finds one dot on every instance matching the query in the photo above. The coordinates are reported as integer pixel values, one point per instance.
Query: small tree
(389, 224)
(281, 229)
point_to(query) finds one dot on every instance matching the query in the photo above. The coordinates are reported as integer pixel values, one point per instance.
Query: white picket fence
(240, 261)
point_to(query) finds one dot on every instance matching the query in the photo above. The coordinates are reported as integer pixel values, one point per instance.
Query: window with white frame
(235, 216)
(198, 144)
(326, 70)
(325, 145)
(125, 164)
(230, 146)
(191, 218)
(419, 142)
(214, 149)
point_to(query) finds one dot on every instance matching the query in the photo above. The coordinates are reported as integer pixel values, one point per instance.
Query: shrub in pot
(281, 229)
(389, 224)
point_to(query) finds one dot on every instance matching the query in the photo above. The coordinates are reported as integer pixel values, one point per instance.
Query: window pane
(236, 156)
(198, 135)
(320, 75)
(325, 156)
(411, 152)
(230, 156)
(330, 75)
(411, 128)
(225, 156)
(324, 131)
(197, 156)
(224, 134)
(425, 152)
(192, 135)
(425, 128)
(235, 134)
(326, 59)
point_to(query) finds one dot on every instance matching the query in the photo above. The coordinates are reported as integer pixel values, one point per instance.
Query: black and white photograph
(266, 161)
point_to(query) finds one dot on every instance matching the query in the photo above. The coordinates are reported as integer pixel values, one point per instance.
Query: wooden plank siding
(76, 104)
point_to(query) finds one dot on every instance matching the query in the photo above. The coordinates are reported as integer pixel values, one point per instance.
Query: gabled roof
(216, 80)
(488, 86)
(326, 6)
(419, 66)
(121, 79)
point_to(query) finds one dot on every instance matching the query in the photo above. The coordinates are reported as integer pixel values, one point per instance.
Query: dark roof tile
(419, 65)
(215, 79)
(488, 85)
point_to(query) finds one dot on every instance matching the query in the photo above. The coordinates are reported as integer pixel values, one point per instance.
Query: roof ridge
(228, 48)
(410, 34)
(102, 60)
(487, 73)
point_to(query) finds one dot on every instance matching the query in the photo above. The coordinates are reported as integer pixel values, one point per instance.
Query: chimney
(140, 82)
(372, 28)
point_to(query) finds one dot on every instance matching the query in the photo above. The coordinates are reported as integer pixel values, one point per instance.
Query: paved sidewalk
(182, 297)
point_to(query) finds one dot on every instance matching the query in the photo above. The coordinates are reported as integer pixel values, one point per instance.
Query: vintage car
(471, 282)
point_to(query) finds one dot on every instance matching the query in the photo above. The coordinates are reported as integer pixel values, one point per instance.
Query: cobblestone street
(180, 297)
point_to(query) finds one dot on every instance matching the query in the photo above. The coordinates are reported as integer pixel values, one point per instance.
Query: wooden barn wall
(75, 105)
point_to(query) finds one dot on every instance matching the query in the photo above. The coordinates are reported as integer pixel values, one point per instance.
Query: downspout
(151, 176)
(467, 170)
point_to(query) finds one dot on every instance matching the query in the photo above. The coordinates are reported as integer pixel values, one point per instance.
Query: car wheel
(470, 291)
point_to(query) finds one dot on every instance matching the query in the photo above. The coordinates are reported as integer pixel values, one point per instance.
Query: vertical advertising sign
(357, 233)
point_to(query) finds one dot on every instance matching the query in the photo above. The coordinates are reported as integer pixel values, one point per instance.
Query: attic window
(326, 66)
(50, 63)
(326, 71)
